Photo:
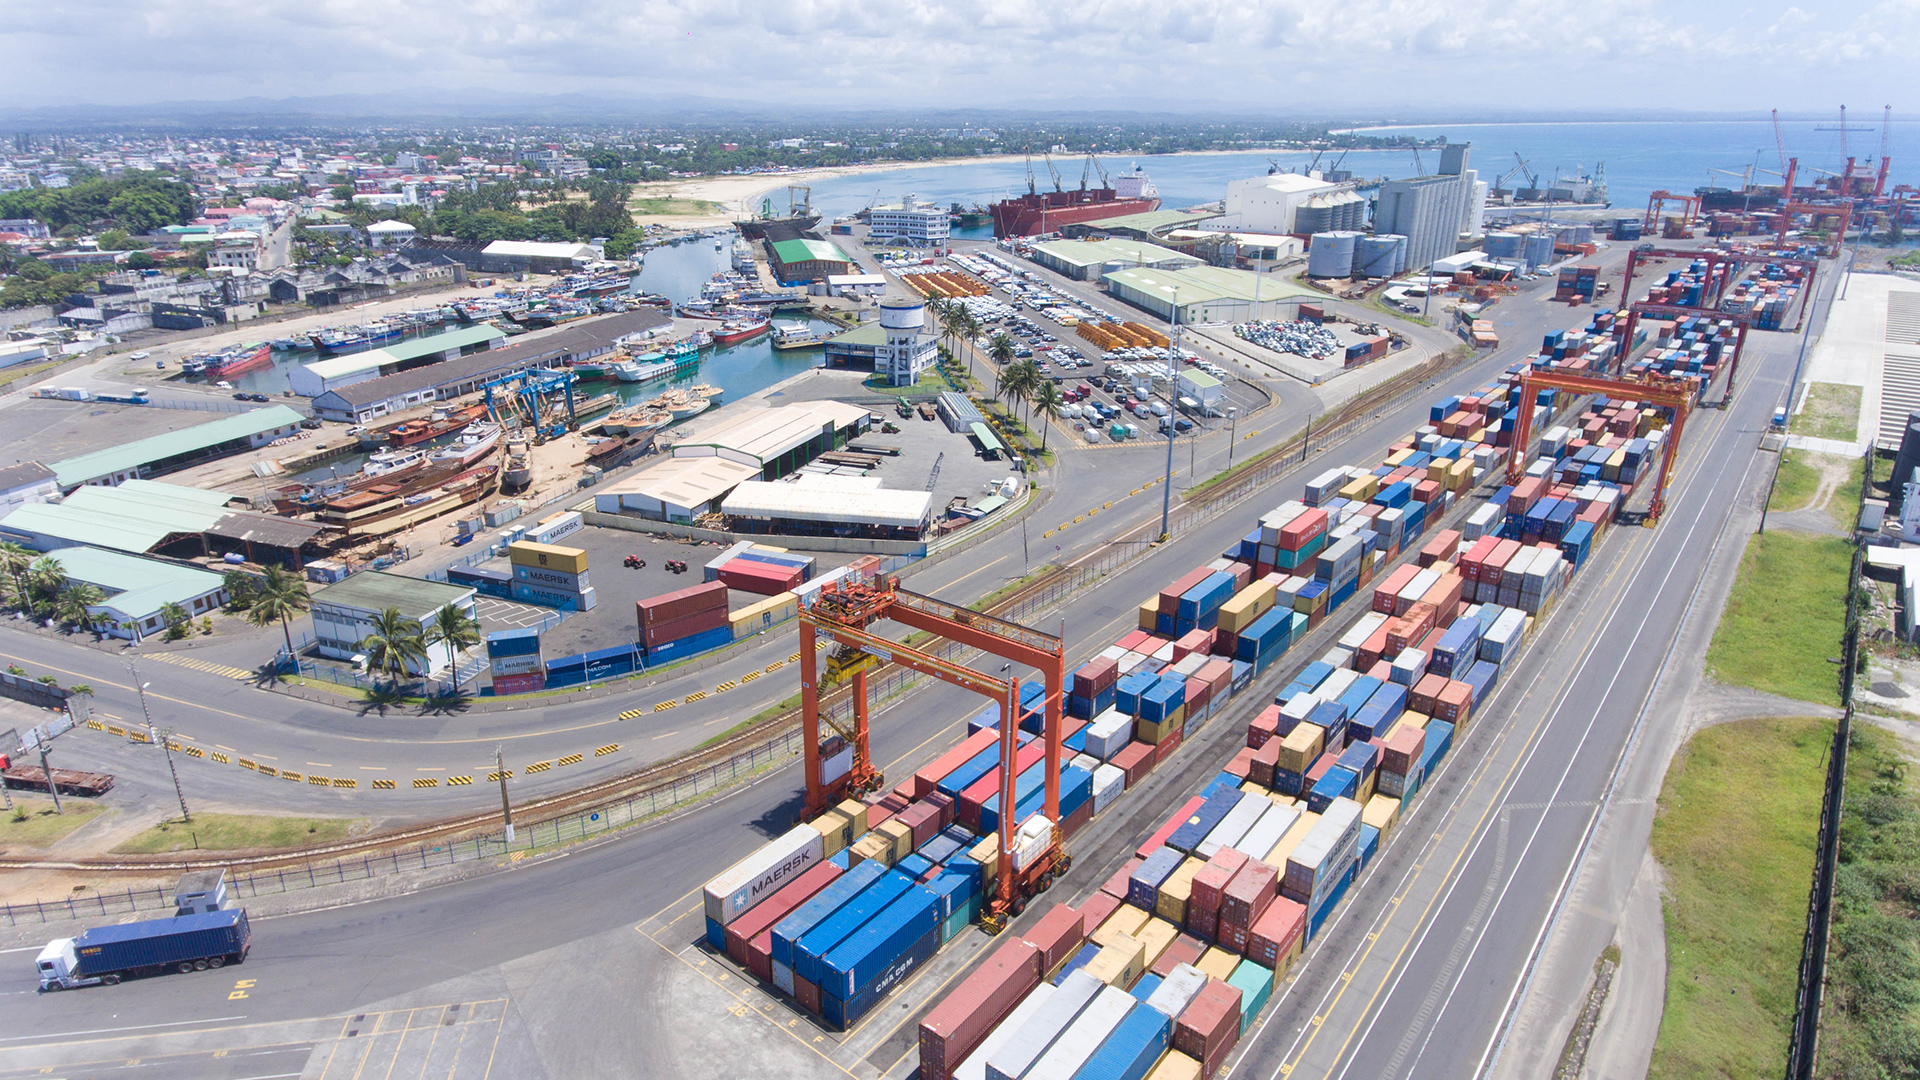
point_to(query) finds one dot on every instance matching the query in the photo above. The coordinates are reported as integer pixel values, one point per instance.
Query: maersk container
(1081, 1038)
(1233, 826)
(1143, 885)
(1369, 844)
(837, 927)
(1025, 1046)
(842, 1015)
(1195, 829)
(867, 951)
(762, 873)
(1133, 1048)
(1322, 851)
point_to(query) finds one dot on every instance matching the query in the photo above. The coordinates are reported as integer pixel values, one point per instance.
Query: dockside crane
(1886, 161)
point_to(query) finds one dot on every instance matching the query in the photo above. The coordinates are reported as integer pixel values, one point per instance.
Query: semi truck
(105, 955)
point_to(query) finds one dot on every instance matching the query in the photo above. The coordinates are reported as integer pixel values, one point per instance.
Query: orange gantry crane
(1623, 333)
(1723, 269)
(1659, 390)
(1657, 208)
(843, 611)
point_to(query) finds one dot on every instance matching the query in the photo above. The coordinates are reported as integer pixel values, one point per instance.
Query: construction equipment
(1657, 208)
(1658, 390)
(843, 611)
(526, 398)
(1623, 332)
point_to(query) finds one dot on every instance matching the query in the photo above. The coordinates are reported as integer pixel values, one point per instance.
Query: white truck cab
(56, 964)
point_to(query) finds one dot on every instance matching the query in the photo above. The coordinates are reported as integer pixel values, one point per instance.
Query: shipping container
(762, 873)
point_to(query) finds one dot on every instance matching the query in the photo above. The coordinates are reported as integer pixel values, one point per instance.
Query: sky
(1274, 57)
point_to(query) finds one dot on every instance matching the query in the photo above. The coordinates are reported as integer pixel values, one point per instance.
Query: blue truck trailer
(107, 954)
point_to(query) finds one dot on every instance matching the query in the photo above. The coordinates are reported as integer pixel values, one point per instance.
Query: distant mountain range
(468, 106)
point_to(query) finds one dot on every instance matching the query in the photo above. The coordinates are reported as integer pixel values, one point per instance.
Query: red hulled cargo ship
(1039, 212)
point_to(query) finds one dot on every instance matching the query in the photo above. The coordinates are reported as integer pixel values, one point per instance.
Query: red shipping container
(1117, 884)
(764, 914)
(1265, 760)
(1136, 760)
(1241, 763)
(1159, 837)
(1273, 935)
(1211, 882)
(1079, 819)
(1217, 674)
(1441, 548)
(1203, 923)
(1493, 568)
(955, 1027)
(924, 820)
(682, 602)
(1133, 639)
(1209, 1026)
(760, 956)
(1426, 491)
(660, 633)
(1321, 764)
(807, 994)
(1058, 935)
(1169, 601)
(1300, 532)
(1225, 642)
(1454, 702)
(1198, 694)
(1165, 748)
(1409, 628)
(1402, 749)
(1193, 641)
(1245, 900)
(1476, 554)
(1095, 909)
(1095, 675)
(1263, 726)
(1387, 591)
(985, 788)
(905, 789)
(1445, 597)
(943, 803)
(1524, 495)
(767, 579)
(1185, 950)
(1372, 649)
(1426, 693)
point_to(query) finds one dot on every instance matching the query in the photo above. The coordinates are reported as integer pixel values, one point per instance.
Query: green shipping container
(1256, 985)
(959, 920)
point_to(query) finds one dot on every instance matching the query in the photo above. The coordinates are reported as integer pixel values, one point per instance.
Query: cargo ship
(732, 332)
(229, 361)
(1039, 212)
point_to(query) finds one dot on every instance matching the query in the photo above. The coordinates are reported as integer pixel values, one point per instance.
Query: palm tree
(459, 630)
(278, 595)
(395, 644)
(14, 560)
(73, 602)
(45, 576)
(1001, 349)
(1026, 379)
(1047, 401)
(969, 328)
(176, 619)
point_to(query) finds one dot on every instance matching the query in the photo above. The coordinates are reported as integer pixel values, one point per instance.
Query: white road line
(111, 1030)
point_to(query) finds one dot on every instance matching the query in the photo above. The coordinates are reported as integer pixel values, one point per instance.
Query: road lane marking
(111, 1030)
(666, 735)
(983, 569)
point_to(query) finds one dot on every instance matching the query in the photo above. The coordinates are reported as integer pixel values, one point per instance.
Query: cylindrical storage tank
(1505, 245)
(1331, 254)
(1373, 256)
(1539, 249)
(1399, 254)
(902, 313)
(1353, 212)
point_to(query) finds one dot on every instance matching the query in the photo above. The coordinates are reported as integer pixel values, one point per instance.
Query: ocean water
(1639, 157)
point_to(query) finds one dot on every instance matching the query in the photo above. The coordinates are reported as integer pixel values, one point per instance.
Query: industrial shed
(776, 441)
(812, 505)
(178, 449)
(312, 380)
(1087, 260)
(677, 489)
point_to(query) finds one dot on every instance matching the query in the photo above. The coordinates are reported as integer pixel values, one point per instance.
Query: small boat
(691, 408)
(390, 461)
(733, 332)
(642, 420)
(798, 337)
(476, 441)
(616, 423)
(519, 473)
(713, 394)
(229, 361)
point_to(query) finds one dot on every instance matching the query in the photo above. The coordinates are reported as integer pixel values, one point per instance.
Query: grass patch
(10, 376)
(671, 207)
(1830, 411)
(1844, 504)
(933, 381)
(239, 832)
(1738, 815)
(1868, 1025)
(33, 822)
(739, 727)
(1784, 617)
(1795, 484)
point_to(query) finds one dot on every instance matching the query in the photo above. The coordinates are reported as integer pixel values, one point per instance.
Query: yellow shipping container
(1383, 813)
(900, 836)
(987, 854)
(1414, 719)
(1157, 935)
(1218, 963)
(1176, 1066)
(1360, 489)
(856, 812)
(1437, 469)
(547, 556)
(769, 549)
(1177, 890)
(1126, 919)
(873, 847)
(1149, 613)
(835, 830)
(1276, 857)
(1301, 746)
(1247, 605)
(1119, 963)
(1154, 734)
(1460, 475)
(1252, 788)
(772, 611)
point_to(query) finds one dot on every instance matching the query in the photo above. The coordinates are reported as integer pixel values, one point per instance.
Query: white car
(139, 355)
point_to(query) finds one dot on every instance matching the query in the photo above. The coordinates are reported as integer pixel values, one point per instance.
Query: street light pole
(506, 808)
(1233, 415)
(1173, 344)
(165, 741)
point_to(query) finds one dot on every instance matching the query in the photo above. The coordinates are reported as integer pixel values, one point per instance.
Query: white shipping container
(1417, 586)
(1108, 782)
(515, 665)
(1337, 657)
(1091, 1028)
(1233, 826)
(1267, 831)
(1112, 652)
(1177, 990)
(1362, 629)
(1109, 733)
(1164, 653)
(1337, 683)
(1127, 663)
(1190, 663)
(1085, 761)
(762, 873)
(783, 978)
(556, 528)
(1018, 1053)
(1312, 861)
(1300, 706)
(975, 1067)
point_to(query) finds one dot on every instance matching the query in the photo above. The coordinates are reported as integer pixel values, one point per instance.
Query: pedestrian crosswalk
(223, 670)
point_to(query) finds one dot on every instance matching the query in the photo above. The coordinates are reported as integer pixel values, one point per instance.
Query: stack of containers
(513, 657)
(684, 622)
(762, 615)
(1093, 689)
(550, 576)
(762, 570)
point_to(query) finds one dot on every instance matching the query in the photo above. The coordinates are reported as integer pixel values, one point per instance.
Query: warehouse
(139, 590)
(1208, 294)
(27, 482)
(343, 613)
(522, 256)
(779, 440)
(675, 490)
(844, 506)
(312, 380)
(178, 449)
(804, 261)
(359, 403)
(1089, 260)
(145, 516)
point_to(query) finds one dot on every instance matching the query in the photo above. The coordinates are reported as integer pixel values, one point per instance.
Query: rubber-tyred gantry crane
(1673, 394)
(1722, 273)
(844, 611)
(1657, 207)
(1623, 332)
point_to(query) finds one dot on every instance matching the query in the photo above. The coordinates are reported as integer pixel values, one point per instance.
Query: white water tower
(909, 349)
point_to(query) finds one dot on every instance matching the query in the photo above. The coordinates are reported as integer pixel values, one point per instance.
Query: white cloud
(1235, 55)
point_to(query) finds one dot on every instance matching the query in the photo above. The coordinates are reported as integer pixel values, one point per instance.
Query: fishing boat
(590, 369)
(476, 441)
(691, 408)
(359, 338)
(519, 473)
(711, 393)
(229, 361)
(381, 511)
(645, 419)
(392, 461)
(287, 344)
(733, 332)
(798, 336)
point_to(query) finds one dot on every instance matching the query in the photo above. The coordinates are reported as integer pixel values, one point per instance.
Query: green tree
(394, 647)
(459, 631)
(115, 240)
(71, 605)
(1001, 349)
(14, 560)
(1047, 401)
(140, 260)
(178, 620)
(278, 595)
(142, 211)
(240, 588)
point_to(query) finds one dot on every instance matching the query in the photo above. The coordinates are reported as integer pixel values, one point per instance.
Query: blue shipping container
(824, 903)
(1143, 887)
(1196, 827)
(856, 962)
(844, 1014)
(1132, 1048)
(837, 927)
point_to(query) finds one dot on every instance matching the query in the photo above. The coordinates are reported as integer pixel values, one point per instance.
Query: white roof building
(1267, 204)
(813, 504)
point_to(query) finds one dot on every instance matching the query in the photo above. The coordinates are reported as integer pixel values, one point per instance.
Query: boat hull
(1037, 213)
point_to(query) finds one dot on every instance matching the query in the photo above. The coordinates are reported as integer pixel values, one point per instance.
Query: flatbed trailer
(69, 781)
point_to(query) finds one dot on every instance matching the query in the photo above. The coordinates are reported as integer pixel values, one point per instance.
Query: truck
(105, 955)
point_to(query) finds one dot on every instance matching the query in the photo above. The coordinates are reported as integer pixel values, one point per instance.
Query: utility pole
(1233, 415)
(506, 808)
(165, 741)
(46, 770)
(1173, 345)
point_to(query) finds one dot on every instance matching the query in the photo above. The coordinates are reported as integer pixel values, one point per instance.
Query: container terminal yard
(1360, 754)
